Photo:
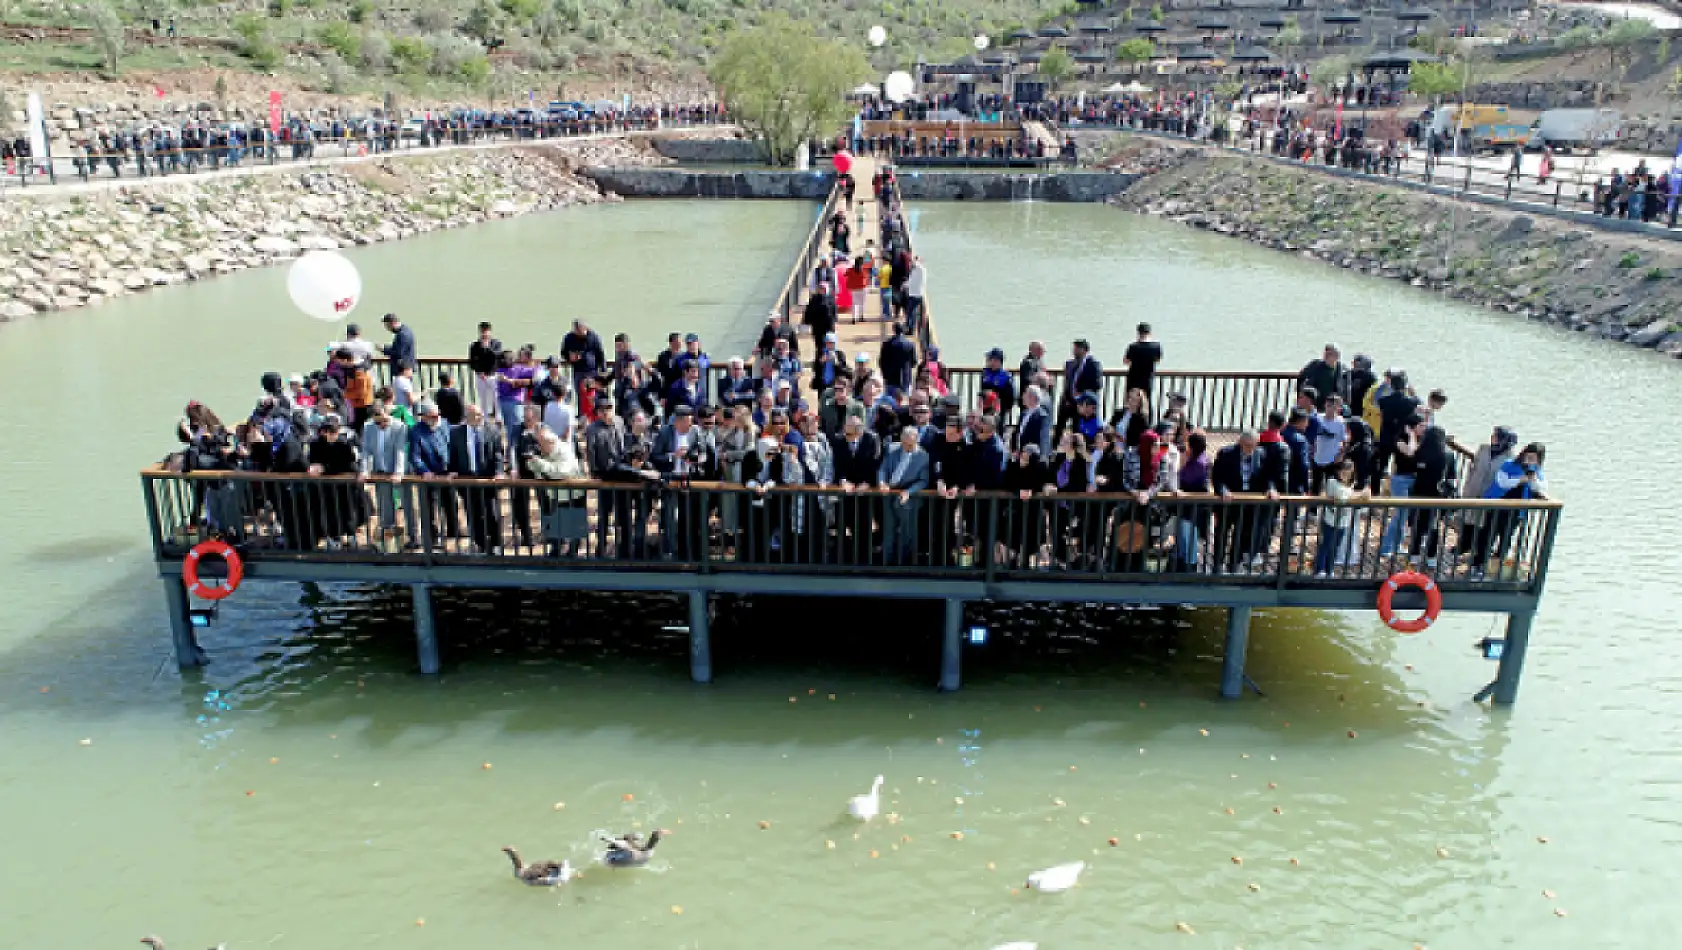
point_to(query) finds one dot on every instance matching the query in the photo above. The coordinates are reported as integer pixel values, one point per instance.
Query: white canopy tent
(867, 90)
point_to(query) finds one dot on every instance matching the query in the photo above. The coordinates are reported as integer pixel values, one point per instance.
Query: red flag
(158, 91)
(1337, 130)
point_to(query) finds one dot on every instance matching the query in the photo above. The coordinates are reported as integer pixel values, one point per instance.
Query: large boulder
(275, 245)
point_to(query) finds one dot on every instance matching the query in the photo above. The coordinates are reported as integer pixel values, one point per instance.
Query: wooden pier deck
(701, 539)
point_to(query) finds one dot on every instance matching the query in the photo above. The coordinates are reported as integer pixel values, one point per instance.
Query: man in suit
(385, 453)
(1082, 374)
(903, 474)
(857, 455)
(1035, 427)
(898, 360)
(604, 450)
(478, 450)
(1246, 467)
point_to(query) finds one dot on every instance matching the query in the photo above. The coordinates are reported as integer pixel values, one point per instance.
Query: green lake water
(309, 790)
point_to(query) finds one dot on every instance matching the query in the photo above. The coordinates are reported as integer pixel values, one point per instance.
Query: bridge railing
(718, 528)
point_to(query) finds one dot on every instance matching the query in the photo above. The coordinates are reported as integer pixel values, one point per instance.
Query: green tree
(1056, 66)
(484, 22)
(1156, 12)
(410, 54)
(1620, 41)
(221, 90)
(338, 36)
(785, 84)
(107, 29)
(1330, 71)
(1136, 50)
(256, 44)
(1432, 80)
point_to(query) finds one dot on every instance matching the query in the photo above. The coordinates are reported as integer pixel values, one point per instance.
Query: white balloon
(899, 86)
(878, 36)
(981, 41)
(324, 285)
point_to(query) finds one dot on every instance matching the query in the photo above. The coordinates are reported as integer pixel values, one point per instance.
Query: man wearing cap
(693, 354)
(582, 350)
(401, 349)
(1086, 420)
(898, 360)
(1081, 374)
(994, 379)
(361, 349)
(429, 457)
(827, 365)
(681, 451)
(385, 453)
(483, 356)
(776, 330)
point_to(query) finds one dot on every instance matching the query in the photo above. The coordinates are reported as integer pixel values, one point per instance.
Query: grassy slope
(616, 40)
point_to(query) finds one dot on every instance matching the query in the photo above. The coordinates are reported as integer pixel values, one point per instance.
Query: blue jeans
(513, 416)
(1186, 540)
(887, 304)
(1331, 541)
(1401, 486)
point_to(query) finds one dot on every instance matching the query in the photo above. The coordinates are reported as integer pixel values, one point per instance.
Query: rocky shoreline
(61, 251)
(1613, 285)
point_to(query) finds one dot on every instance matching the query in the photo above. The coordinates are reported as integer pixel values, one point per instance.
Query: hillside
(487, 51)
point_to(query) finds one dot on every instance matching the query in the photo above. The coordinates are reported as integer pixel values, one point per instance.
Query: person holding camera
(681, 452)
(1520, 479)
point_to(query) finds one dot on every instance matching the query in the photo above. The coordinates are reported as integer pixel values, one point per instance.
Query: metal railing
(717, 528)
(153, 160)
(791, 297)
(1565, 190)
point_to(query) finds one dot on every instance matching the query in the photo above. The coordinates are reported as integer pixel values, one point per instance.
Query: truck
(1564, 130)
(1480, 128)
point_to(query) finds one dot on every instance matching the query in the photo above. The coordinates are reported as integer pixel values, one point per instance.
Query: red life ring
(190, 570)
(1399, 580)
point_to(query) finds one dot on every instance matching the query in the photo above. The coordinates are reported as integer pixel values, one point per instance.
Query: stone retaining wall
(713, 151)
(814, 186)
(63, 250)
(1622, 287)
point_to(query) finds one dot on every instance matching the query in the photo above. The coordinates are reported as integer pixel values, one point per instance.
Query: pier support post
(1237, 645)
(1512, 657)
(187, 651)
(426, 629)
(950, 646)
(700, 638)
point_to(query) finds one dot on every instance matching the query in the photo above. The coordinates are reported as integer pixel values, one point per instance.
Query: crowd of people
(170, 148)
(614, 455)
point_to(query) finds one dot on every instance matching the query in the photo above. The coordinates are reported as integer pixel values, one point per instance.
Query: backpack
(1369, 408)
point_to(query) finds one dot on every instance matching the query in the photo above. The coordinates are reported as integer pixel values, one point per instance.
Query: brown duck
(540, 873)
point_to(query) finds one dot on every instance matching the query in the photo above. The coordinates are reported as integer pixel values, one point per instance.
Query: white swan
(866, 807)
(1060, 878)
